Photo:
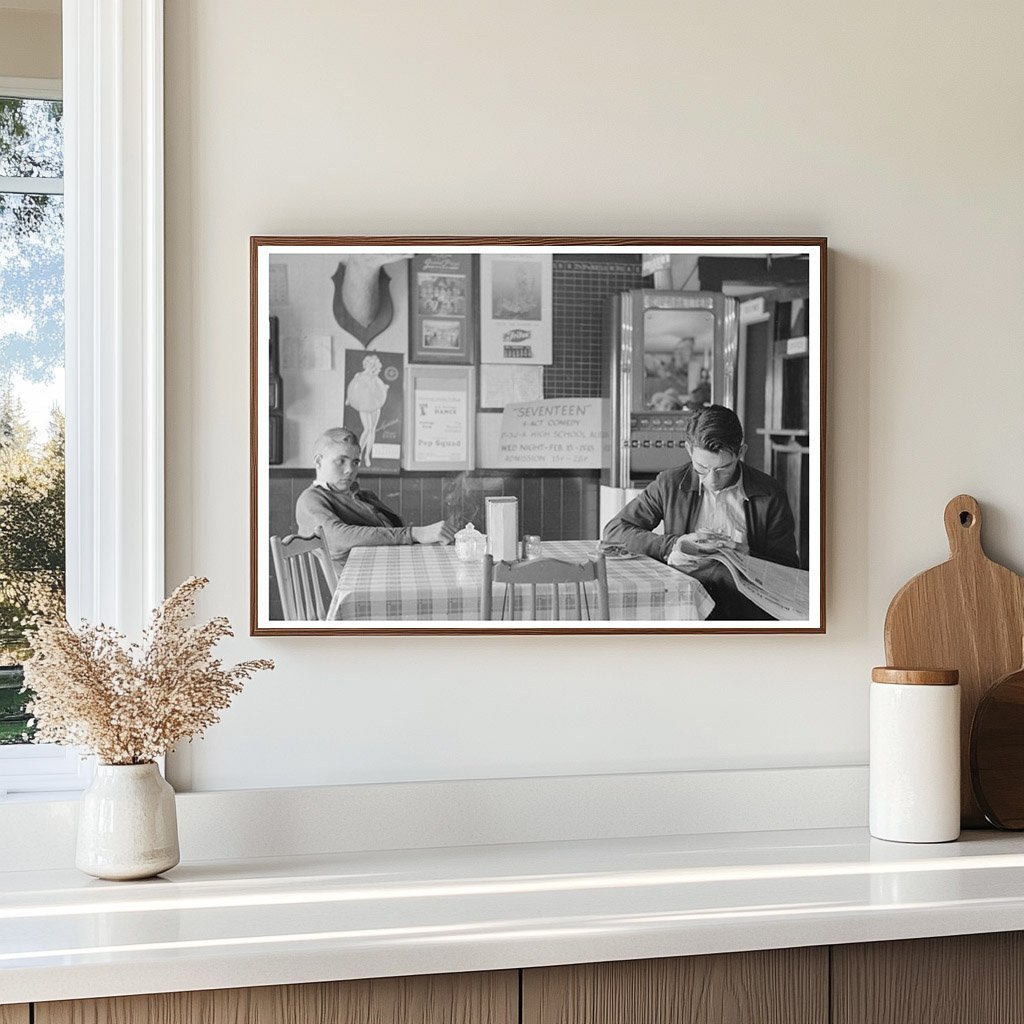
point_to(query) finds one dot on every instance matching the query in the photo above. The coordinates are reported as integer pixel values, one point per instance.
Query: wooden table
(429, 583)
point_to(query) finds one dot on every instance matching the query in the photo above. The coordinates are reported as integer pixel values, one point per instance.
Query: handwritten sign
(558, 433)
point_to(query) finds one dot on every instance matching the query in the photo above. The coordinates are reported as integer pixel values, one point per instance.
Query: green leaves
(31, 524)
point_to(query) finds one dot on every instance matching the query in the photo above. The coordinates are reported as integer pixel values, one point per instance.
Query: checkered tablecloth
(428, 583)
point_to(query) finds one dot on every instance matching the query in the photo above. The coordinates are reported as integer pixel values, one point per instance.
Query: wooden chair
(547, 572)
(303, 565)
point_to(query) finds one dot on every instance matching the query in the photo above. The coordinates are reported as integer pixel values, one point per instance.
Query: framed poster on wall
(443, 314)
(622, 406)
(440, 419)
(515, 308)
(374, 406)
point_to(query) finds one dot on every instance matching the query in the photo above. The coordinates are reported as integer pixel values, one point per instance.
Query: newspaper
(777, 589)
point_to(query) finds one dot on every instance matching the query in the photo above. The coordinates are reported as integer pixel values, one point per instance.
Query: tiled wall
(580, 289)
(556, 505)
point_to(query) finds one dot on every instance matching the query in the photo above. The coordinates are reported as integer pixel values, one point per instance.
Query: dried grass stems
(130, 703)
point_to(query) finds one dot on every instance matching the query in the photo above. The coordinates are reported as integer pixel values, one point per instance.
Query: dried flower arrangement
(129, 704)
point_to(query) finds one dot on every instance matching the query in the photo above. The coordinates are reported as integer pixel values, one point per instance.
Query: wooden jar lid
(916, 676)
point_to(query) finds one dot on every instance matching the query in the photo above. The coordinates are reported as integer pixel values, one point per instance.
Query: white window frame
(31, 89)
(114, 335)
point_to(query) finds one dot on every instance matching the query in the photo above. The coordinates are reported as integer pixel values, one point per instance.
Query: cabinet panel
(779, 986)
(481, 998)
(962, 979)
(14, 1014)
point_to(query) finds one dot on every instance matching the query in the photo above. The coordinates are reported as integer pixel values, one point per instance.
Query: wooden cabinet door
(14, 1014)
(962, 979)
(778, 986)
(481, 998)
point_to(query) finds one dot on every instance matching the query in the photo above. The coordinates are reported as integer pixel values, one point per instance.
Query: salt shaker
(915, 755)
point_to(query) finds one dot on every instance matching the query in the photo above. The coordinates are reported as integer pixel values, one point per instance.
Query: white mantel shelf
(224, 924)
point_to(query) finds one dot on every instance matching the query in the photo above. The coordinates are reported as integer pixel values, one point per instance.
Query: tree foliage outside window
(32, 574)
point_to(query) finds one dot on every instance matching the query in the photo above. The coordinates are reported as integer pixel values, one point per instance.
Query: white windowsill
(389, 913)
(65, 935)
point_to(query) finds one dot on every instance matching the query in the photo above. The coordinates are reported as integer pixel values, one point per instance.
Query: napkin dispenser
(503, 529)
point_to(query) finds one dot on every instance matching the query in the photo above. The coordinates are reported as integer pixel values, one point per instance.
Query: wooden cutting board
(967, 614)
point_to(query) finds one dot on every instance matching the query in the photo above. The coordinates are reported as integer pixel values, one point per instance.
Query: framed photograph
(647, 415)
(443, 308)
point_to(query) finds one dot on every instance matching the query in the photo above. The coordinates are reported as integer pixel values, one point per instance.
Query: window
(31, 380)
(32, 535)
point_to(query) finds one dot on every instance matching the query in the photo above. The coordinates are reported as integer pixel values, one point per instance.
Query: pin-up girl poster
(373, 406)
(367, 394)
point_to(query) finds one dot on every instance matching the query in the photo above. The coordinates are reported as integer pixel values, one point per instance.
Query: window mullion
(113, 74)
(32, 186)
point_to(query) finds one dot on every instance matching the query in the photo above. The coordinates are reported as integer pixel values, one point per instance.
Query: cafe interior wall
(891, 128)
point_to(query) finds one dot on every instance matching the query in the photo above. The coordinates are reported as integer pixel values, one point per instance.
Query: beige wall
(894, 129)
(29, 45)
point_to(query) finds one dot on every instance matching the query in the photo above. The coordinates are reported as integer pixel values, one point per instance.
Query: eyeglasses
(701, 470)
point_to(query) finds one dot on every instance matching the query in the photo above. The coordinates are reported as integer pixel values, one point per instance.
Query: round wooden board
(997, 752)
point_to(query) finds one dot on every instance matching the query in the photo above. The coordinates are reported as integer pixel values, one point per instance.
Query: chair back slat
(298, 584)
(302, 583)
(314, 586)
(486, 595)
(603, 612)
(520, 577)
(305, 581)
(304, 569)
(545, 570)
(318, 593)
(284, 578)
(293, 587)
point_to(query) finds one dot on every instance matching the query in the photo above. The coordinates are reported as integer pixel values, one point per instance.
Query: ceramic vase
(127, 825)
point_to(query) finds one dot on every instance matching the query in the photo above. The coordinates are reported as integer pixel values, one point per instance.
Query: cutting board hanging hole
(963, 525)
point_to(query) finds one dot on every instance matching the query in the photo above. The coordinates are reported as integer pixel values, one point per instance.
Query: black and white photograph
(442, 334)
(442, 294)
(655, 467)
(516, 289)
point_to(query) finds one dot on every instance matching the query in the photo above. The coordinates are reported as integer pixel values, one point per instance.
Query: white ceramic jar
(127, 825)
(915, 755)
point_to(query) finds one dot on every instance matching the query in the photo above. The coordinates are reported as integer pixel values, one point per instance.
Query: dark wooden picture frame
(443, 308)
(753, 339)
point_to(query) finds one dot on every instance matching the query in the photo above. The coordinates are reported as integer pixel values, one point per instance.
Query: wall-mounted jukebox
(667, 353)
